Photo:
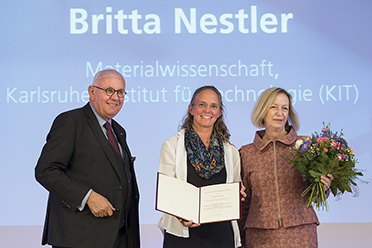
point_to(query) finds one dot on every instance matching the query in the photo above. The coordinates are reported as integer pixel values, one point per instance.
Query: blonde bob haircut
(263, 104)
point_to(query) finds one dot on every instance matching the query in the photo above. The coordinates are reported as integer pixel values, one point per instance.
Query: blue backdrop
(318, 50)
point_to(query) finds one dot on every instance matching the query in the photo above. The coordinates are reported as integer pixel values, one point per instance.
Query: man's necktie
(111, 138)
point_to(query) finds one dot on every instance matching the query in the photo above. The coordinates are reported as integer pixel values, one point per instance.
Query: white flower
(298, 144)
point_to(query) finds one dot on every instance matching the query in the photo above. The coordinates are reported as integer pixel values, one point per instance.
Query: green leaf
(315, 174)
(347, 188)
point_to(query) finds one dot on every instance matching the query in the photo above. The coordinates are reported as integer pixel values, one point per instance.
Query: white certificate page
(214, 203)
(178, 198)
(220, 202)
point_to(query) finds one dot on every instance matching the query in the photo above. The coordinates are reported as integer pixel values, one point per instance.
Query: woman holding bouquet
(274, 214)
(201, 154)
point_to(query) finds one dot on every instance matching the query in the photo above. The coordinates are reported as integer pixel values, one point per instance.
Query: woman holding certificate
(201, 155)
(274, 214)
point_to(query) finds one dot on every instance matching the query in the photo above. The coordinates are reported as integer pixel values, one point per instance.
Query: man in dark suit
(88, 171)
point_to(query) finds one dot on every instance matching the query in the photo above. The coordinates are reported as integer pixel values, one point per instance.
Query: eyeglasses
(110, 91)
(204, 105)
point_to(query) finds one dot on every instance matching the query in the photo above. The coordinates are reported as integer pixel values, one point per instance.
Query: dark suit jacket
(78, 157)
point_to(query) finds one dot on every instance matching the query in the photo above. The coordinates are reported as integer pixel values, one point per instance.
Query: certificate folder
(213, 203)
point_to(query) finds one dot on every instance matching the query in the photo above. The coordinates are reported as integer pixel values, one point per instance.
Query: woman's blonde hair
(219, 126)
(263, 104)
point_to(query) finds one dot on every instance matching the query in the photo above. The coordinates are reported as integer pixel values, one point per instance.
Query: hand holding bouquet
(320, 155)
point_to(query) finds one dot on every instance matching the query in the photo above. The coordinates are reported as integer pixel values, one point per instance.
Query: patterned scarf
(206, 162)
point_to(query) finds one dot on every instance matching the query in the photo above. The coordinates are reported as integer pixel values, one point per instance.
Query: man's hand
(99, 205)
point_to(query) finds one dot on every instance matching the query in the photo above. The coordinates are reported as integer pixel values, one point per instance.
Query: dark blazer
(77, 157)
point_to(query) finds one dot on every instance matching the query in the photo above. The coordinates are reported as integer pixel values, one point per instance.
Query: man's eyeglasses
(110, 91)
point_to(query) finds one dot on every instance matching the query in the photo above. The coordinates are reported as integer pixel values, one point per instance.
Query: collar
(289, 139)
(100, 120)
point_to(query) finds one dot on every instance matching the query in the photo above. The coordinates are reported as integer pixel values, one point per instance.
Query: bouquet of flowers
(322, 154)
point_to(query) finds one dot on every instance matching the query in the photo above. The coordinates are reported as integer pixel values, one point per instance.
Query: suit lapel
(121, 135)
(102, 140)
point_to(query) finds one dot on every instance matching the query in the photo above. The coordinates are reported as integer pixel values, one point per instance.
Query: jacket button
(120, 187)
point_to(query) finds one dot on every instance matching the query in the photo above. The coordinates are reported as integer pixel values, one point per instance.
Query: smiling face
(277, 115)
(205, 110)
(106, 106)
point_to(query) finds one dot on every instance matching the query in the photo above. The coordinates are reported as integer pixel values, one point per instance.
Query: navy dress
(211, 235)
